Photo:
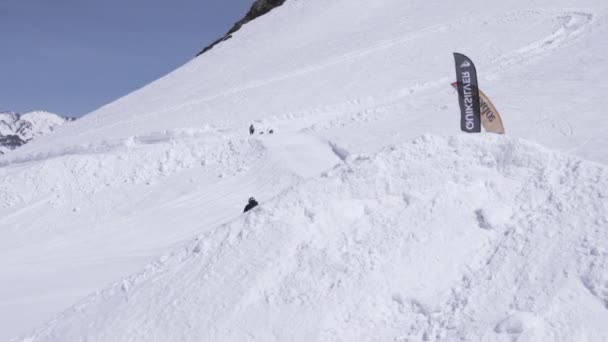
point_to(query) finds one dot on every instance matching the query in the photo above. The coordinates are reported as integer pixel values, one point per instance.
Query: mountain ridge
(17, 129)
(258, 9)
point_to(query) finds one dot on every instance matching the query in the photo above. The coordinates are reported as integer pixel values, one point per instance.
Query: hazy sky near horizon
(73, 56)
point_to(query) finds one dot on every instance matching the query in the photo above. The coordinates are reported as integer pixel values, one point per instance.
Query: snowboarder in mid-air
(252, 204)
(251, 129)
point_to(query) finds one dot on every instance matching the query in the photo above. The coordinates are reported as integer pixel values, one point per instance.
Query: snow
(359, 253)
(28, 126)
(379, 60)
(7, 118)
(377, 220)
(41, 122)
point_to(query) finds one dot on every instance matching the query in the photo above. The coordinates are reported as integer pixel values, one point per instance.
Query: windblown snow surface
(378, 220)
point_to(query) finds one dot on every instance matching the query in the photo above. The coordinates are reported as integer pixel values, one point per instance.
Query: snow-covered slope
(444, 238)
(441, 239)
(17, 129)
(361, 60)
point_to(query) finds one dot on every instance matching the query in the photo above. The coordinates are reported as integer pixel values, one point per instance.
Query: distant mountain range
(17, 129)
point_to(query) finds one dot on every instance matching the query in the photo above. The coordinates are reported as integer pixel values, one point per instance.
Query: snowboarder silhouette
(252, 204)
(251, 129)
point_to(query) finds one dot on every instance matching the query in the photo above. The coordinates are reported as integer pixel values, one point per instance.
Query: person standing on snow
(251, 129)
(252, 204)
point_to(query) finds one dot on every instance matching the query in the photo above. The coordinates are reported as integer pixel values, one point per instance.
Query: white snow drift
(439, 239)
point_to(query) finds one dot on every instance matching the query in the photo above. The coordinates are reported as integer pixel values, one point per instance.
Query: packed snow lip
(426, 238)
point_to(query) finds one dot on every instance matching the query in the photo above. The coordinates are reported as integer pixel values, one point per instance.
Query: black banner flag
(468, 94)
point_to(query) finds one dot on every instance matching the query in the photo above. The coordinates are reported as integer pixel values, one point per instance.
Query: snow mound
(440, 239)
(74, 174)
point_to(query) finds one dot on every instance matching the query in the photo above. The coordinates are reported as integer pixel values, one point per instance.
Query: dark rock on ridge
(258, 9)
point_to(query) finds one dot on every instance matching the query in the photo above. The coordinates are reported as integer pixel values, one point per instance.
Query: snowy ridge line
(343, 255)
(106, 146)
(145, 160)
(100, 147)
(91, 173)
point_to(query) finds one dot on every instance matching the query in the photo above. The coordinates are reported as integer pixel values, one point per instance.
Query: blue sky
(73, 56)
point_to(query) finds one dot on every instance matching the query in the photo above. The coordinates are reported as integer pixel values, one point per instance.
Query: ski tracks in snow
(571, 26)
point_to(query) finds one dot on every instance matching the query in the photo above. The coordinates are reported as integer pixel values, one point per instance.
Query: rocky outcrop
(258, 9)
(10, 142)
(17, 129)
